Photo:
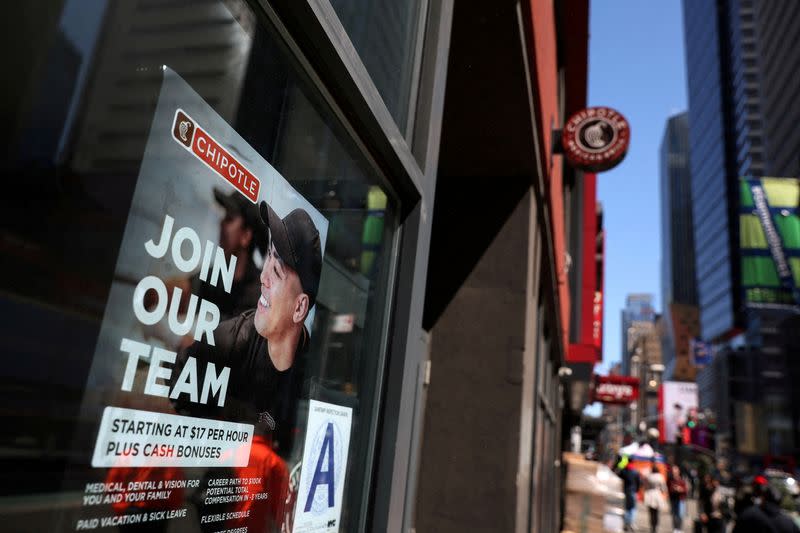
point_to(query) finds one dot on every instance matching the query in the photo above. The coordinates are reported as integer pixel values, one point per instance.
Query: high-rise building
(740, 57)
(711, 193)
(646, 365)
(777, 28)
(677, 236)
(742, 96)
(638, 312)
(679, 325)
(678, 280)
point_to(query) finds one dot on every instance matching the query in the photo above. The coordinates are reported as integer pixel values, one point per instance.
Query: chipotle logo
(203, 146)
(596, 139)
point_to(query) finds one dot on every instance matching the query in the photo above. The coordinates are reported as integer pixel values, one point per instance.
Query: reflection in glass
(383, 33)
(89, 78)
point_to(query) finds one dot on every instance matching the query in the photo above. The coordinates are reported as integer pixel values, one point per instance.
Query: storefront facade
(215, 242)
(294, 266)
(513, 273)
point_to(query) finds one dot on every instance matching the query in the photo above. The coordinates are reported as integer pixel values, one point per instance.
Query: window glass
(384, 34)
(173, 360)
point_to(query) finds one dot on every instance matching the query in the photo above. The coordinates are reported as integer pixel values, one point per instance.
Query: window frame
(407, 163)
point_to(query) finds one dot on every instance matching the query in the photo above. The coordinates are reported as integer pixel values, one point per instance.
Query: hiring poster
(192, 397)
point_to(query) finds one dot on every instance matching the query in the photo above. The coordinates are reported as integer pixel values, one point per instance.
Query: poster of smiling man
(193, 384)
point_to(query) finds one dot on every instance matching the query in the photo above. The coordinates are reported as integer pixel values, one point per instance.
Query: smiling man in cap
(260, 346)
(289, 283)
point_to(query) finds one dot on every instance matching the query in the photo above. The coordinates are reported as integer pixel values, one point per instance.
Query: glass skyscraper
(712, 194)
(742, 60)
(678, 280)
(741, 70)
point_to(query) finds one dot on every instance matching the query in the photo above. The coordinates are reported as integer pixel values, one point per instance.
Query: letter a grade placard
(319, 495)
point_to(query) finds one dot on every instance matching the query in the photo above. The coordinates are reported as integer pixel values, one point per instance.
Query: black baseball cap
(236, 203)
(296, 239)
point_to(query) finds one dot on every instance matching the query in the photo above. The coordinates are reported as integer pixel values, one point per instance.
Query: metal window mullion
(314, 79)
(545, 402)
(416, 70)
(315, 27)
(429, 103)
(395, 166)
(396, 480)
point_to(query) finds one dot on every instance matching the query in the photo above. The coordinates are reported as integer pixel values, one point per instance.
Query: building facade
(135, 117)
(709, 168)
(647, 366)
(739, 122)
(279, 244)
(679, 322)
(678, 279)
(638, 313)
(511, 322)
(679, 326)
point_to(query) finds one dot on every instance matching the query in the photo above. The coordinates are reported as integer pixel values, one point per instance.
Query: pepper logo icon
(184, 127)
(183, 130)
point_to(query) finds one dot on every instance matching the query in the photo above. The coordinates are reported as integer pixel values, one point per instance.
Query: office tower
(638, 314)
(741, 59)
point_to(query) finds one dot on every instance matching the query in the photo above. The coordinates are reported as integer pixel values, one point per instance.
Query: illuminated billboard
(677, 401)
(769, 241)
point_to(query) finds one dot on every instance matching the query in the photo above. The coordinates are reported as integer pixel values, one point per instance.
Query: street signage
(595, 139)
(615, 389)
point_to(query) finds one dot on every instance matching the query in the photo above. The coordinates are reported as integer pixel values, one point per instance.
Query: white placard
(130, 438)
(678, 400)
(343, 323)
(319, 499)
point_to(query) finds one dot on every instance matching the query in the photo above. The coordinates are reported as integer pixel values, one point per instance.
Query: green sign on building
(769, 240)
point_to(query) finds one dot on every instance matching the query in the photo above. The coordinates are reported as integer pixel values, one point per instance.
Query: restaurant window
(384, 33)
(197, 266)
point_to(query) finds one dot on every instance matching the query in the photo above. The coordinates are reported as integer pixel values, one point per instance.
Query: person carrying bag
(654, 495)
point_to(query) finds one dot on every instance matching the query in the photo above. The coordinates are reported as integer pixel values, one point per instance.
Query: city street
(426, 266)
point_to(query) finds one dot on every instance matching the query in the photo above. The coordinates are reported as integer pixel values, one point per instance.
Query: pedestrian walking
(695, 481)
(713, 504)
(676, 486)
(630, 487)
(654, 495)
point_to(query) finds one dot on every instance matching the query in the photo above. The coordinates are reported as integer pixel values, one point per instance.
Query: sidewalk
(642, 522)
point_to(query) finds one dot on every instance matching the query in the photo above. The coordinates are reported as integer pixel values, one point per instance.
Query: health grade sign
(324, 464)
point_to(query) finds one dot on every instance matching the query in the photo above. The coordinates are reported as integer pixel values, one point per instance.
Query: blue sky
(636, 65)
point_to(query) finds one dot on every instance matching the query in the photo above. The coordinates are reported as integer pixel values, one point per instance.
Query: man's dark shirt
(753, 520)
(764, 518)
(257, 392)
(781, 522)
(705, 498)
(243, 296)
(630, 481)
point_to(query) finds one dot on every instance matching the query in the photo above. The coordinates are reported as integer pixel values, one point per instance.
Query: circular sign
(596, 139)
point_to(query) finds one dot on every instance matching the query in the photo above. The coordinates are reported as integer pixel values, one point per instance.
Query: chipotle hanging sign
(595, 139)
(615, 389)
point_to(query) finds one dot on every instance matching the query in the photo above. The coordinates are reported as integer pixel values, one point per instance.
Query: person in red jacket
(676, 486)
